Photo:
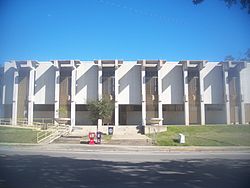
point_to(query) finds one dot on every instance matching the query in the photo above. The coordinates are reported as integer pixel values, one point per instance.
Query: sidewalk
(122, 148)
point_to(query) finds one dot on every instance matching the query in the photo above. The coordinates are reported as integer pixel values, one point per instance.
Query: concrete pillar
(185, 97)
(57, 90)
(116, 94)
(202, 105)
(14, 98)
(73, 93)
(242, 103)
(143, 93)
(31, 96)
(227, 101)
(99, 79)
(99, 86)
(160, 93)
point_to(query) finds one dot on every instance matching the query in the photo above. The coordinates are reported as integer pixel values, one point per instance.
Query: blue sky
(121, 29)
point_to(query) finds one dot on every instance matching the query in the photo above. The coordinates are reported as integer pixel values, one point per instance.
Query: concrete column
(1, 96)
(116, 94)
(99, 79)
(143, 93)
(99, 86)
(14, 98)
(160, 93)
(57, 90)
(31, 96)
(73, 93)
(242, 103)
(227, 101)
(185, 97)
(202, 105)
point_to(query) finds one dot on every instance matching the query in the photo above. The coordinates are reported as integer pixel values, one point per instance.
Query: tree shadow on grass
(44, 171)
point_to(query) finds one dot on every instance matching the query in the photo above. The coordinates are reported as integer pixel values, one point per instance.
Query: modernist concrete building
(185, 92)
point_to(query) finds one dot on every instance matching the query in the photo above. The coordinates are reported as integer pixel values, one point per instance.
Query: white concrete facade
(214, 104)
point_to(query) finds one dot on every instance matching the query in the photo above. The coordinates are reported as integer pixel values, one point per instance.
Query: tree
(247, 55)
(229, 58)
(244, 3)
(245, 58)
(101, 109)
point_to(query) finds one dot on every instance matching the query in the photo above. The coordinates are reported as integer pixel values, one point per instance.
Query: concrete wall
(86, 83)
(245, 83)
(8, 83)
(129, 80)
(213, 84)
(1, 92)
(172, 83)
(44, 84)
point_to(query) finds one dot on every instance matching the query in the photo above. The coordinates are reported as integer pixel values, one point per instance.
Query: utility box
(182, 138)
(98, 137)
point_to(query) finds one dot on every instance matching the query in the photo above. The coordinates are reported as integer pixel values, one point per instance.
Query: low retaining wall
(149, 129)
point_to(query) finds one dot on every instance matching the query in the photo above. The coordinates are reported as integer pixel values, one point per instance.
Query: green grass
(219, 135)
(17, 135)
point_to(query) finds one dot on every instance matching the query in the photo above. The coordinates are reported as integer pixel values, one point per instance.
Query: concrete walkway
(122, 148)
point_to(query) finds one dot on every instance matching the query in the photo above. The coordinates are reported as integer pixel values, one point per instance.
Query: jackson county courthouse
(181, 93)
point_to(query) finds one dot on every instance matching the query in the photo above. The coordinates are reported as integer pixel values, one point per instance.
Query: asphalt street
(52, 167)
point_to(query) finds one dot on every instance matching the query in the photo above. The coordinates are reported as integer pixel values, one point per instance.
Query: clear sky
(121, 29)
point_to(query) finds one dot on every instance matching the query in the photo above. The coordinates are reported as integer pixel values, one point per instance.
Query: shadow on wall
(40, 171)
(89, 80)
(170, 80)
(45, 81)
(214, 79)
(8, 84)
(130, 80)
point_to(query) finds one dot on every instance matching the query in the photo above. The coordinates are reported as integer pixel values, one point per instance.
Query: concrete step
(132, 142)
(68, 140)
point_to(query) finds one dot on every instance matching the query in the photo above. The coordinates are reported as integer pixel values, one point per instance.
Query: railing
(22, 121)
(5, 121)
(43, 120)
(154, 136)
(46, 129)
(50, 132)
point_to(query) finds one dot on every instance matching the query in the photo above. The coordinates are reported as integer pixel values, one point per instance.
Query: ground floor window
(173, 114)
(215, 114)
(247, 113)
(83, 115)
(43, 113)
(130, 114)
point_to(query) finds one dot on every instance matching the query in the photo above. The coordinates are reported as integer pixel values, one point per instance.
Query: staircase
(129, 135)
(52, 133)
(122, 135)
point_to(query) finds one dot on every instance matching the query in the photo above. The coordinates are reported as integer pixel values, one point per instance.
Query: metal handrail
(5, 121)
(53, 131)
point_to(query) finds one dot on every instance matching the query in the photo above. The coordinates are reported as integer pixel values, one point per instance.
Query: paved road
(33, 167)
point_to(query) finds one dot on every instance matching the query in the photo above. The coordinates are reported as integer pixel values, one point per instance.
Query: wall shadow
(45, 171)
(45, 81)
(210, 80)
(86, 81)
(168, 81)
(8, 84)
(127, 81)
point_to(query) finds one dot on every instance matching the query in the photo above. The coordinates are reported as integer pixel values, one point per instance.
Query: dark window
(81, 107)
(173, 107)
(43, 107)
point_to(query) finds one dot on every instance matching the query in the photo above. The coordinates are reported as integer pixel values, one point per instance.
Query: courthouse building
(179, 93)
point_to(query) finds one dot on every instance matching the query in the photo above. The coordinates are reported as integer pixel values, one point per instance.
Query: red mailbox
(91, 137)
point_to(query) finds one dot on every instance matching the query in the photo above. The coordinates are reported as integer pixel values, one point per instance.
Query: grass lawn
(17, 135)
(217, 135)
